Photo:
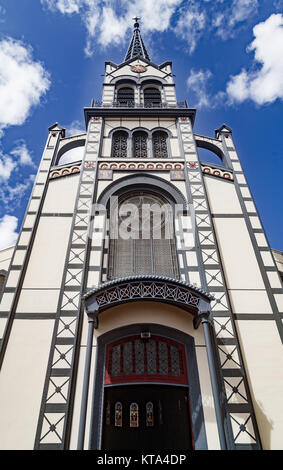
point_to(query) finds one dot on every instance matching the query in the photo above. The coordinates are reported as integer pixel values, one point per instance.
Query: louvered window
(159, 143)
(146, 242)
(140, 144)
(152, 98)
(126, 97)
(119, 144)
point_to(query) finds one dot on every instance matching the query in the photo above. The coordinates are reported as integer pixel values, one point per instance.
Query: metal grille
(140, 144)
(152, 98)
(126, 97)
(119, 144)
(159, 142)
(151, 248)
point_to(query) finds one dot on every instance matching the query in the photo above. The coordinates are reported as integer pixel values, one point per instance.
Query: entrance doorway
(146, 417)
(146, 403)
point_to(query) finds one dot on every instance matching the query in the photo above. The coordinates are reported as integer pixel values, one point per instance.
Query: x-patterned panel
(57, 397)
(233, 378)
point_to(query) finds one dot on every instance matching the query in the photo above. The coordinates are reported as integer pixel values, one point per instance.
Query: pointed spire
(136, 47)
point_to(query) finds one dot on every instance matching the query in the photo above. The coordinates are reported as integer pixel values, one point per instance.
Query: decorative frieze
(139, 166)
(210, 170)
(66, 171)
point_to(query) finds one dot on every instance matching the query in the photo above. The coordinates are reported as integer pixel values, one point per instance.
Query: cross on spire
(136, 47)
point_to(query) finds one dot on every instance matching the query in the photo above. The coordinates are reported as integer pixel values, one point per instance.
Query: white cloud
(242, 9)
(19, 155)
(22, 82)
(7, 165)
(191, 24)
(227, 20)
(197, 84)
(64, 6)
(21, 151)
(8, 234)
(75, 128)
(103, 24)
(264, 84)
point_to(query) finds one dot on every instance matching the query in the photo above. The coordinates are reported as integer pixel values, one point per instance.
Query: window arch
(155, 359)
(159, 144)
(126, 96)
(152, 97)
(119, 144)
(143, 241)
(140, 144)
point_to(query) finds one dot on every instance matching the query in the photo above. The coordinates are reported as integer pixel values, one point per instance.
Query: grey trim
(76, 314)
(139, 112)
(198, 424)
(205, 232)
(153, 182)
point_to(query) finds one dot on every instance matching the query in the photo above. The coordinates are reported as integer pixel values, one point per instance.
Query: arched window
(157, 359)
(119, 144)
(140, 144)
(126, 97)
(159, 143)
(152, 97)
(144, 241)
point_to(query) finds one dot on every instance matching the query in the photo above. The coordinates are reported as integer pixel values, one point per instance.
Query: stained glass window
(119, 144)
(118, 414)
(160, 413)
(134, 415)
(147, 359)
(140, 144)
(139, 357)
(163, 358)
(149, 414)
(175, 361)
(159, 143)
(116, 353)
(151, 356)
(127, 358)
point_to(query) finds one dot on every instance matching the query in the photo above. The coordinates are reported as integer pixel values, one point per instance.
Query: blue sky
(227, 60)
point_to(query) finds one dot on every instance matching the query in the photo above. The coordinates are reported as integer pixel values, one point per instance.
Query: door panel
(147, 417)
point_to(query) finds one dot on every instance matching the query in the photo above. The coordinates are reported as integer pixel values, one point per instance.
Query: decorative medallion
(105, 175)
(177, 175)
(138, 68)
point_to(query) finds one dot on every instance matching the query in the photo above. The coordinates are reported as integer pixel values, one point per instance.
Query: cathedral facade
(142, 308)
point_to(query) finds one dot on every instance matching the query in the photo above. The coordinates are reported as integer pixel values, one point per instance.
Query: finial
(136, 18)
